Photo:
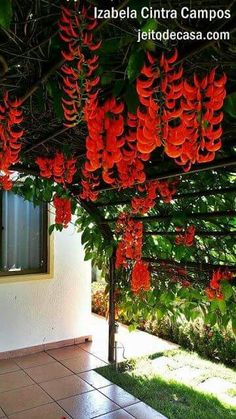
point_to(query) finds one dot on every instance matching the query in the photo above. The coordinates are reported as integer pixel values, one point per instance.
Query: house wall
(42, 311)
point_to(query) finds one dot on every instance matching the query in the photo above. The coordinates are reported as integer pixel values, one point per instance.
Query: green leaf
(5, 13)
(56, 95)
(234, 325)
(88, 256)
(230, 104)
(51, 229)
(150, 25)
(106, 79)
(226, 290)
(132, 327)
(222, 306)
(118, 87)
(131, 99)
(135, 63)
(85, 235)
(109, 251)
(149, 45)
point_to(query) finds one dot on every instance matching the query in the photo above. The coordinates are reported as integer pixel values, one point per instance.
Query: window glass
(23, 236)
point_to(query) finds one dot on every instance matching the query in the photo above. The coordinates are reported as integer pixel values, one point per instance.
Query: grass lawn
(156, 381)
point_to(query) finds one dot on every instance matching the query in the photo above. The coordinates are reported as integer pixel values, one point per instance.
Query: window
(24, 236)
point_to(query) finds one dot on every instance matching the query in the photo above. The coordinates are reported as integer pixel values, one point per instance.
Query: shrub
(209, 342)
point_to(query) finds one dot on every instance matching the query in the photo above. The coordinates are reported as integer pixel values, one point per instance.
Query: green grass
(169, 397)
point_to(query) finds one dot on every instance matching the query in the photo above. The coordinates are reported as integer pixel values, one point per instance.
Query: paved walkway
(61, 383)
(131, 344)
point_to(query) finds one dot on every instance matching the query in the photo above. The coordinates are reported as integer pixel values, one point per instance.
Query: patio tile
(88, 405)
(13, 380)
(66, 353)
(8, 365)
(118, 395)
(96, 348)
(78, 365)
(2, 414)
(48, 372)
(34, 360)
(117, 414)
(47, 411)
(143, 411)
(24, 398)
(94, 379)
(66, 387)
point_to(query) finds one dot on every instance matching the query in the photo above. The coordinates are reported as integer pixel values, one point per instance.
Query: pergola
(30, 69)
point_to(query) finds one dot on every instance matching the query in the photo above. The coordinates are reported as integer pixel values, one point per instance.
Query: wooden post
(111, 341)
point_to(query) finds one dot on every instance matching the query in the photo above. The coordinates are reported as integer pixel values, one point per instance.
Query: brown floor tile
(117, 414)
(2, 414)
(13, 380)
(48, 372)
(47, 411)
(143, 411)
(96, 348)
(24, 398)
(34, 360)
(66, 387)
(78, 365)
(66, 353)
(87, 405)
(96, 380)
(8, 365)
(118, 395)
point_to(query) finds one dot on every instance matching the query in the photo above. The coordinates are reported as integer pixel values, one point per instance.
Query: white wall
(43, 311)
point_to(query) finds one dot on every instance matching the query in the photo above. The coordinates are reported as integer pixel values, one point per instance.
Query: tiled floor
(61, 384)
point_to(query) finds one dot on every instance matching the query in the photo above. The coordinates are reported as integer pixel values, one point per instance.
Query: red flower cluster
(61, 168)
(140, 278)
(111, 143)
(130, 245)
(63, 210)
(184, 117)
(89, 183)
(149, 121)
(5, 182)
(201, 119)
(186, 237)
(143, 204)
(105, 129)
(10, 145)
(214, 290)
(76, 30)
(131, 168)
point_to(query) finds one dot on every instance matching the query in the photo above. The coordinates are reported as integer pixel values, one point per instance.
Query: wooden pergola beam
(189, 264)
(46, 140)
(198, 168)
(189, 215)
(197, 233)
(184, 195)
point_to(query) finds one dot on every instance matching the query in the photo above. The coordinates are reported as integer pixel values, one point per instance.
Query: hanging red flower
(89, 183)
(140, 277)
(142, 205)
(186, 237)
(130, 245)
(10, 134)
(214, 290)
(6, 182)
(63, 210)
(59, 167)
(79, 81)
